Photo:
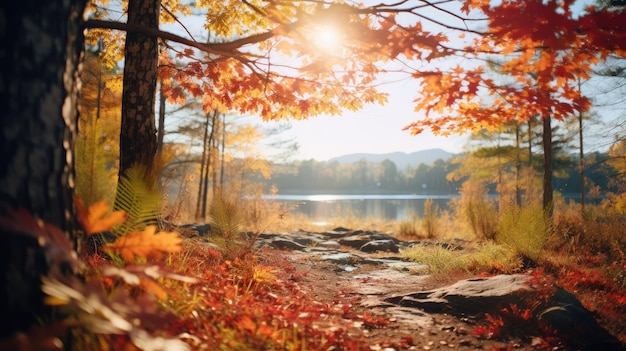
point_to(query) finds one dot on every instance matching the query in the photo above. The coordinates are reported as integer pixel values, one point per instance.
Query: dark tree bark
(203, 163)
(40, 50)
(547, 165)
(161, 131)
(138, 142)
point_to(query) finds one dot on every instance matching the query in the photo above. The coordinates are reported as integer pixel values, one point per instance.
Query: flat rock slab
(468, 297)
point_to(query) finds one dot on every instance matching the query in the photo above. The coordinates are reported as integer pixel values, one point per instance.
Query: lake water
(325, 207)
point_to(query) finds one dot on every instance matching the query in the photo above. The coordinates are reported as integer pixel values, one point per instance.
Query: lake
(324, 207)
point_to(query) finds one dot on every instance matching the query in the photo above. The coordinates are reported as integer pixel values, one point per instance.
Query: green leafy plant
(139, 196)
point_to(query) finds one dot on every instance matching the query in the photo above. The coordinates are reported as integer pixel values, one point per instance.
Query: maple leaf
(146, 243)
(95, 218)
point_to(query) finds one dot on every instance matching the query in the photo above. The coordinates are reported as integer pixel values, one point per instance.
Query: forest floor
(328, 284)
(364, 287)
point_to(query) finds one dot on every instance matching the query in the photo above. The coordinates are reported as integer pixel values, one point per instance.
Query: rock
(342, 258)
(199, 229)
(383, 236)
(333, 234)
(574, 324)
(380, 245)
(468, 297)
(329, 244)
(355, 241)
(304, 241)
(282, 244)
(341, 229)
(266, 236)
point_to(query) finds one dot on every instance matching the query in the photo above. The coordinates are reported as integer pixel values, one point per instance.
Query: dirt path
(366, 287)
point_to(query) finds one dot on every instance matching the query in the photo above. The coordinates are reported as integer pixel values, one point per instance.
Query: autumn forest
(137, 158)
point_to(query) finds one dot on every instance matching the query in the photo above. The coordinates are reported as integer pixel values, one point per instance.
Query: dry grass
(483, 257)
(524, 230)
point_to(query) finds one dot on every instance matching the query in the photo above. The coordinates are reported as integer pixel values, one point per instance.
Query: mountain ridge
(401, 159)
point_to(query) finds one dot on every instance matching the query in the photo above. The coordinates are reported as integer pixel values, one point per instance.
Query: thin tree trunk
(199, 213)
(138, 143)
(581, 158)
(518, 166)
(223, 152)
(215, 149)
(161, 130)
(547, 165)
(39, 68)
(530, 143)
(205, 195)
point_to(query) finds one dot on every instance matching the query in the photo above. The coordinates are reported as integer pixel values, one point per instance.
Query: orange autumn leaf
(155, 288)
(146, 244)
(95, 218)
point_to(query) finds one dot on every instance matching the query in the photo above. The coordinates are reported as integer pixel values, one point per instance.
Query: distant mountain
(401, 159)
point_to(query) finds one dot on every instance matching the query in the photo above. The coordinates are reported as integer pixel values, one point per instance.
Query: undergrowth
(164, 293)
(484, 257)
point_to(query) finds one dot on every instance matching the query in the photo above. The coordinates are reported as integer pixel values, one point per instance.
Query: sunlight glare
(326, 38)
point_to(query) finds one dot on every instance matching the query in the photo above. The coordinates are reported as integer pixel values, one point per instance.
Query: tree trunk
(222, 152)
(203, 162)
(518, 167)
(161, 131)
(40, 50)
(216, 155)
(547, 165)
(213, 115)
(530, 143)
(138, 142)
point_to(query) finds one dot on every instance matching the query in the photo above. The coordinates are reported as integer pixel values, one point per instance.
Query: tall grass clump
(482, 217)
(477, 210)
(525, 230)
(487, 256)
(409, 227)
(438, 259)
(226, 223)
(490, 256)
(431, 218)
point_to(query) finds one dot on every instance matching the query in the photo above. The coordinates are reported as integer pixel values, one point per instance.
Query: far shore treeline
(371, 177)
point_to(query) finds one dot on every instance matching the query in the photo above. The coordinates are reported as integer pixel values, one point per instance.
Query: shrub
(439, 259)
(408, 227)
(477, 210)
(487, 257)
(483, 217)
(431, 218)
(493, 257)
(524, 230)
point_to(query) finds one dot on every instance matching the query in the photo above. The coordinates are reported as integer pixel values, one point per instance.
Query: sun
(326, 37)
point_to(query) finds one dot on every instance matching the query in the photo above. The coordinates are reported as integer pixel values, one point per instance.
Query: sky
(375, 129)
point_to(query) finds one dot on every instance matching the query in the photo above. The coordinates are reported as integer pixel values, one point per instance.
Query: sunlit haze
(374, 129)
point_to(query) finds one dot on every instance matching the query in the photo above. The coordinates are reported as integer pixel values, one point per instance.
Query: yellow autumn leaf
(95, 218)
(146, 244)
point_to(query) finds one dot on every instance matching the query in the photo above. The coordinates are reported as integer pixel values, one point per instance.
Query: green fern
(139, 196)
